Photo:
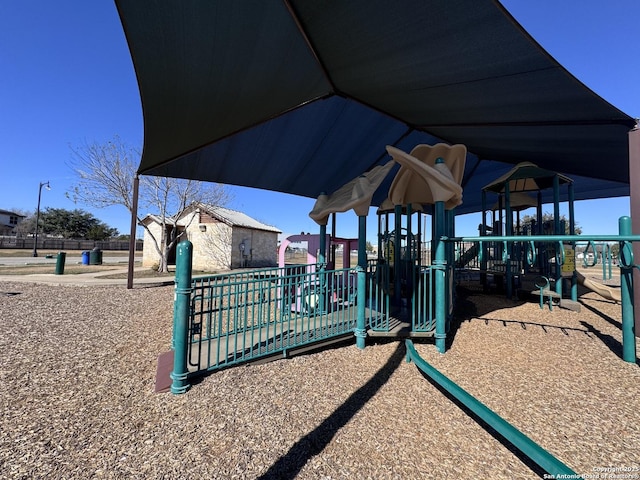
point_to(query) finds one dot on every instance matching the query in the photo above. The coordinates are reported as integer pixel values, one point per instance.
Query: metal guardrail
(240, 317)
(524, 444)
(227, 319)
(534, 243)
(377, 299)
(422, 311)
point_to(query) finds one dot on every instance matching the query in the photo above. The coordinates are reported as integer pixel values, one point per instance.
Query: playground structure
(407, 291)
(306, 296)
(229, 319)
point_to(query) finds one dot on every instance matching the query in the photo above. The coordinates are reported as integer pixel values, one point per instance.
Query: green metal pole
(409, 260)
(572, 231)
(360, 331)
(556, 229)
(450, 257)
(323, 246)
(485, 251)
(440, 264)
(322, 263)
(542, 265)
(508, 276)
(397, 240)
(181, 317)
(626, 282)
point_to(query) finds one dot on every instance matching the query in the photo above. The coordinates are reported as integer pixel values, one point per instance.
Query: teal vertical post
(397, 265)
(572, 231)
(360, 331)
(483, 246)
(626, 282)
(542, 266)
(441, 306)
(380, 245)
(322, 258)
(182, 304)
(508, 275)
(556, 231)
(322, 264)
(450, 258)
(409, 261)
(419, 246)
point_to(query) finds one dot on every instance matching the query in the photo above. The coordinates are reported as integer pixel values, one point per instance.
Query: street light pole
(35, 243)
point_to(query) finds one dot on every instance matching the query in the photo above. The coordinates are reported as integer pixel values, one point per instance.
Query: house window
(13, 220)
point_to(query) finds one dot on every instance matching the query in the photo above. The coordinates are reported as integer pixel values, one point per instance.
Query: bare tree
(106, 173)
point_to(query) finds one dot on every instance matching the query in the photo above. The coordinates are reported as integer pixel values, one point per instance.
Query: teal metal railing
(227, 319)
(377, 300)
(533, 245)
(422, 304)
(594, 253)
(519, 440)
(240, 317)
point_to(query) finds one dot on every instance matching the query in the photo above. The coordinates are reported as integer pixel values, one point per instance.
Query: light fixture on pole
(35, 242)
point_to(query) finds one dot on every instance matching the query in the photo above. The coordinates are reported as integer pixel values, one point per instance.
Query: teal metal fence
(533, 246)
(222, 320)
(378, 305)
(227, 319)
(241, 317)
(422, 304)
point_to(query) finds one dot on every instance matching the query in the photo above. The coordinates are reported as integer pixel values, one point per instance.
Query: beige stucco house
(222, 239)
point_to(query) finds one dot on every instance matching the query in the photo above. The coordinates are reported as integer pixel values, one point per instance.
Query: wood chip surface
(77, 373)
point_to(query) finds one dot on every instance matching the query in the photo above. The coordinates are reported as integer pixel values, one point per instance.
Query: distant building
(9, 221)
(222, 239)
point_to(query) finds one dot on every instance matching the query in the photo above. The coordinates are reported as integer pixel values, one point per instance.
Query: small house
(222, 238)
(9, 221)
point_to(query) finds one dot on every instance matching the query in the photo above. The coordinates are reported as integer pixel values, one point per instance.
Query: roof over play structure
(301, 96)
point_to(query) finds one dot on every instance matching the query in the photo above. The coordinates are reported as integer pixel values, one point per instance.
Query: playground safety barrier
(222, 320)
(532, 245)
(226, 319)
(524, 444)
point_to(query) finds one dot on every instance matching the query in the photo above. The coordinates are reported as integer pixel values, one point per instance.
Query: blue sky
(67, 79)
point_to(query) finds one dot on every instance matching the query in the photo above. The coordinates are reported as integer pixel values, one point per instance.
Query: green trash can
(60, 262)
(95, 257)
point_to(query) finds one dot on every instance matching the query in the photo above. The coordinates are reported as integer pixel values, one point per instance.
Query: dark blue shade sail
(302, 96)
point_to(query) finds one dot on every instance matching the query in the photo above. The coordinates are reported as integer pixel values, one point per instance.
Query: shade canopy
(297, 95)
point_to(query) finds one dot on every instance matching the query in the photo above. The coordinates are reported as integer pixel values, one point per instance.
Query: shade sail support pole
(361, 271)
(132, 232)
(634, 191)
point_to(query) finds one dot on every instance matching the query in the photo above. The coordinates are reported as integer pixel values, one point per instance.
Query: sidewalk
(88, 279)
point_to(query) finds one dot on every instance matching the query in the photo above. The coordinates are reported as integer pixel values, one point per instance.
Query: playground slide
(355, 194)
(602, 290)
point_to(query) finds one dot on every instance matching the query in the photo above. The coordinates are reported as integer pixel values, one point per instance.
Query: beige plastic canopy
(423, 179)
(526, 177)
(518, 201)
(428, 175)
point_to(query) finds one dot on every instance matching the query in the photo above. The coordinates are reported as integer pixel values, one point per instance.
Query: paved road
(71, 259)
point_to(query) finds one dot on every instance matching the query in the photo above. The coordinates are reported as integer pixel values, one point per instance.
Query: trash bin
(60, 262)
(95, 257)
(85, 257)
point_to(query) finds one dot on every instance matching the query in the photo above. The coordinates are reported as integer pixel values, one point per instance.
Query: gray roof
(231, 217)
(235, 218)
(8, 212)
